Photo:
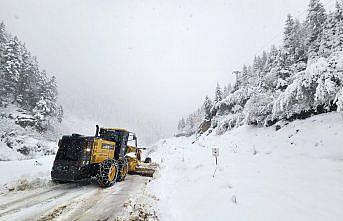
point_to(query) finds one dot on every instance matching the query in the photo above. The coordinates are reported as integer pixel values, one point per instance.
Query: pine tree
(264, 60)
(299, 38)
(23, 91)
(12, 66)
(218, 93)
(315, 21)
(46, 108)
(272, 57)
(207, 106)
(190, 122)
(3, 40)
(332, 37)
(181, 125)
(227, 90)
(255, 74)
(244, 76)
(338, 39)
(288, 41)
(3, 82)
(257, 64)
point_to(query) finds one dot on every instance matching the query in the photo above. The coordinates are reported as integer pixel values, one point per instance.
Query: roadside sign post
(215, 153)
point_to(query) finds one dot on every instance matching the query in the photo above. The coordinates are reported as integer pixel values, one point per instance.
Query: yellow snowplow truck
(103, 156)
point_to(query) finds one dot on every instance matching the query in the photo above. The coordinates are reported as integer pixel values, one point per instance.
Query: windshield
(111, 135)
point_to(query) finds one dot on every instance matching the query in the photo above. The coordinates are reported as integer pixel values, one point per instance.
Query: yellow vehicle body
(102, 150)
(136, 166)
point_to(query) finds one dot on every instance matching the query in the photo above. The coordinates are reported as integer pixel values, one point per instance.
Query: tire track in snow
(73, 209)
(29, 196)
(32, 206)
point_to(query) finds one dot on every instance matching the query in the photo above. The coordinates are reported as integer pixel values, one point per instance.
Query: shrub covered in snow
(258, 109)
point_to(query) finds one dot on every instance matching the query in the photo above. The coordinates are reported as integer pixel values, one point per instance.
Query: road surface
(70, 201)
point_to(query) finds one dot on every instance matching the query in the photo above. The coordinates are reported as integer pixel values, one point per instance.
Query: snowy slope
(19, 142)
(294, 173)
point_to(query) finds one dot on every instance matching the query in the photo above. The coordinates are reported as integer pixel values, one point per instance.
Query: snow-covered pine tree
(207, 106)
(264, 60)
(12, 65)
(288, 41)
(60, 114)
(315, 21)
(279, 73)
(332, 36)
(218, 93)
(181, 125)
(46, 108)
(3, 42)
(299, 39)
(23, 91)
(227, 90)
(255, 74)
(190, 122)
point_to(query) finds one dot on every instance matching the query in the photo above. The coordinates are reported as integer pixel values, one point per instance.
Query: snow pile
(27, 184)
(19, 175)
(141, 207)
(291, 171)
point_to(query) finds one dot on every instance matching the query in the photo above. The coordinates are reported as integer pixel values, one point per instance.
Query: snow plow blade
(145, 169)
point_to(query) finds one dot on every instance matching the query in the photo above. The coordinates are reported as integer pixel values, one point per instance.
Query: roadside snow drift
(25, 174)
(294, 173)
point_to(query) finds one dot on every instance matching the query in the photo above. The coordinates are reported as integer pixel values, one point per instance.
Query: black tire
(123, 169)
(147, 160)
(107, 173)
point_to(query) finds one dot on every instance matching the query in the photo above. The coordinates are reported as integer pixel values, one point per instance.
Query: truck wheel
(123, 170)
(107, 173)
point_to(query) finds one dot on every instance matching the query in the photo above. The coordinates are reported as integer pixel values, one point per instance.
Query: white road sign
(215, 152)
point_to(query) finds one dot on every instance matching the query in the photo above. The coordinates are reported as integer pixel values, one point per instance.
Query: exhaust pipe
(97, 130)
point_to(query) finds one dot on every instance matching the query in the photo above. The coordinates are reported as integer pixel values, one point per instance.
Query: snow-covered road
(32, 200)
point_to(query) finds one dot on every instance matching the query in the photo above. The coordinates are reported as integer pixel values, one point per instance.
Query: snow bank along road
(34, 197)
(294, 173)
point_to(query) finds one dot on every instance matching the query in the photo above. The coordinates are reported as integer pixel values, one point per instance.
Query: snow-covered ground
(294, 173)
(25, 174)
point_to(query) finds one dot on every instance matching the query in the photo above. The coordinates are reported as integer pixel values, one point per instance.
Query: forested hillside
(300, 78)
(28, 99)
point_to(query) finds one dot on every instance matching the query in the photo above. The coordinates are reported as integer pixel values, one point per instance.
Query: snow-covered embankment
(294, 173)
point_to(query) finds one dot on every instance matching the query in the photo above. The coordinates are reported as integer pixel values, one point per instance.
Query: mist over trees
(24, 85)
(300, 78)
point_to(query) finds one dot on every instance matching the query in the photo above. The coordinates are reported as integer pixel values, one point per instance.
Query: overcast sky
(144, 64)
